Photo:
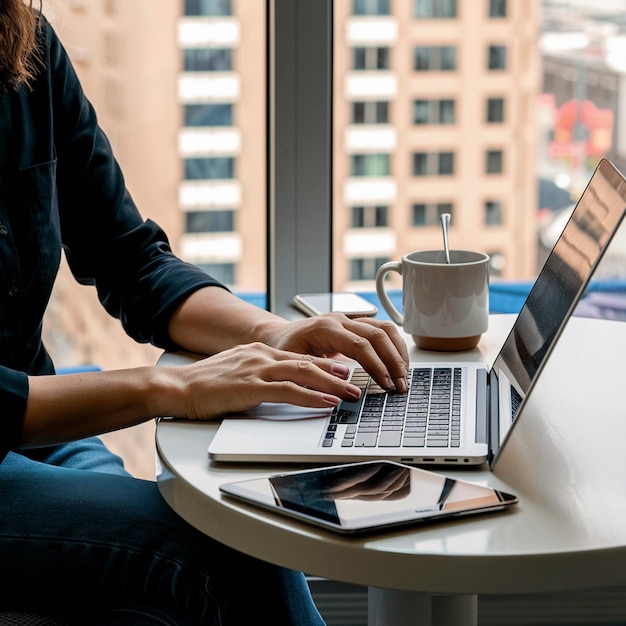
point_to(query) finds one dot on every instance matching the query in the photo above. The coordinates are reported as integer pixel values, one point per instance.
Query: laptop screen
(563, 279)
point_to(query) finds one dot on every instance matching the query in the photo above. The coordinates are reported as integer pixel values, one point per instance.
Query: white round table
(566, 463)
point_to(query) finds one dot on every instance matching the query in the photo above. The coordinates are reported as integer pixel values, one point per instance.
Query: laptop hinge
(494, 413)
(482, 406)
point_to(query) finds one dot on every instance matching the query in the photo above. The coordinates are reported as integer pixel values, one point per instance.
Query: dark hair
(19, 61)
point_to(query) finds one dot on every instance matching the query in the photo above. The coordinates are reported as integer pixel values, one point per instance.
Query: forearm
(63, 408)
(212, 320)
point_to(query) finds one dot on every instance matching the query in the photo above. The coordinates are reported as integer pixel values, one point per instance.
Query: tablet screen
(367, 496)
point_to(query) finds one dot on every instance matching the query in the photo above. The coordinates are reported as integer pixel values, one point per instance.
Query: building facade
(434, 111)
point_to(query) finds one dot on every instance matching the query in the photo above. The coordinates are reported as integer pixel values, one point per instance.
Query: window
(365, 269)
(209, 168)
(224, 272)
(428, 9)
(434, 58)
(433, 163)
(496, 58)
(208, 60)
(214, 8)
(370, 7)
(370, 58)
(208, 115)
(370, 165)
(369, 216)
(433, 112)
(495, 110)
(370, 112)
(429, 214)
(493, 162)
(493, 213)
(497, 8)
(209, 221)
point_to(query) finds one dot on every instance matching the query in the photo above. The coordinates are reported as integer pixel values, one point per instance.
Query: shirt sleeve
(13, 396)
(107, 243)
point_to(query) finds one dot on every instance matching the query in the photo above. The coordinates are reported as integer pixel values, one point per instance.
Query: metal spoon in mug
(445, 223)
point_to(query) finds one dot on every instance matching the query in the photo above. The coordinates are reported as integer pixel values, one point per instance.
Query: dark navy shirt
(62, 190)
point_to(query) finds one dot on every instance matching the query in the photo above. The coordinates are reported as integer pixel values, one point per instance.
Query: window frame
(299, 171)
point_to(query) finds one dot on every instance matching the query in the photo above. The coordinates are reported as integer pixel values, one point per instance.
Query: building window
(433, 163)
(497, 8)
(424, 214)
(208, 115)
(370, 58)
(213, 8)
(365, 269)
(493, 162)
(370, 7)
(434, 58)
(208, 60)
(370, 165)
(429, 9)
(496, 58)
(369, 216)
(493, 213)
(370, 112)
(224, 272)
(495, 110)
(210, 221)
(433, 112)
(209, 168)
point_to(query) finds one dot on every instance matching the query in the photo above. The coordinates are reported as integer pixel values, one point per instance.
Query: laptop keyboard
(428, 415)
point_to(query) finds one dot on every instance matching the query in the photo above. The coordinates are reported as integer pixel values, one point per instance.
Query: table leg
(389, 607)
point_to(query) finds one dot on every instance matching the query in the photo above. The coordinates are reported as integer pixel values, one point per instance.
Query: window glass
(493, 212)
(208, 114)
(370, 7)
(372, 58)
(434, 58)
(209, 221)
(208, 60)
(497, 8)
(495, 110)
(370, 112)
(496, 58)
(428, 9)
(209, 168)
(493, 162)
(370, 165)
(369, 216)
(208, 7)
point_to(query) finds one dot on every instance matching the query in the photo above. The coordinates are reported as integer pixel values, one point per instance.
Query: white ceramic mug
(445, 305)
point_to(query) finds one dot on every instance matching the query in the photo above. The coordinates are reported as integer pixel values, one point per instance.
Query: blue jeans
(80, 537)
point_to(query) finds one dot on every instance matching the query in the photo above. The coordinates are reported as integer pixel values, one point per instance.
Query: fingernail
(331, 400)
(401, 385)
(353, 391)
(389, 384)
(342, 371)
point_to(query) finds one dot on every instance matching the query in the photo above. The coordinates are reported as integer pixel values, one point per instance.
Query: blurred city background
(494, 111)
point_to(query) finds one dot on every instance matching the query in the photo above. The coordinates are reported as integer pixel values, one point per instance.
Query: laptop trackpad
(283, 411)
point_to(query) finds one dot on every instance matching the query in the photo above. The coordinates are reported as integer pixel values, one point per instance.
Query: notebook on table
(473, 407)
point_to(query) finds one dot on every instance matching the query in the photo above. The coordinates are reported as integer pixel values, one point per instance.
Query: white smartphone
(368, 496)
(351, 304)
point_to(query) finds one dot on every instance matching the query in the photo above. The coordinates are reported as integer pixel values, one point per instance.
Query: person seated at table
(79, 536)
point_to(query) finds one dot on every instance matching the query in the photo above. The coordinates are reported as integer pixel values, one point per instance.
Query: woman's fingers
(245, 376)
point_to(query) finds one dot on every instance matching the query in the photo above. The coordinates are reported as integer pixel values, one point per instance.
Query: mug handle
(383, 270)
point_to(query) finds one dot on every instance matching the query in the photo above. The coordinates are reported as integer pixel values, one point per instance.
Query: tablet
(367, 496)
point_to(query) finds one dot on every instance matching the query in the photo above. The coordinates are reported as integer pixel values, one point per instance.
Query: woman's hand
(242, 377)
(375, 344)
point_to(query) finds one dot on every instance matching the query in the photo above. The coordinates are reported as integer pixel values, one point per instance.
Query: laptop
(473, 407)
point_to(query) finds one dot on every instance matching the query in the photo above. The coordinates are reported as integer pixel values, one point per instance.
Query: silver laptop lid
(561, 284)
